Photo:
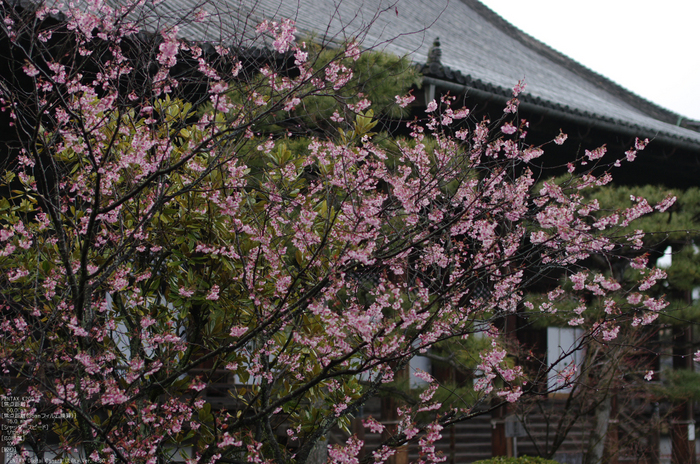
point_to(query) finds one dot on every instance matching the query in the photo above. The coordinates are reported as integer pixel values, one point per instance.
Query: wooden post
(390, 420)
(612, 448)
(682, 417)
(499, 442)
(655, 439)
(359, 431)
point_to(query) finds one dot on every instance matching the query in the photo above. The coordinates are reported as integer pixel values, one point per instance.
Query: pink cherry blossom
(561, 138)
(508, 128)
(213, 294)
(404, 101)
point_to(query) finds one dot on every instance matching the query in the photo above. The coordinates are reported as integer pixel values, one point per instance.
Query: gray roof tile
(476, 42)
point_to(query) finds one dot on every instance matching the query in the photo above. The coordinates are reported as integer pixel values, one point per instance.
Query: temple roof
(480, 52)
(479, 49)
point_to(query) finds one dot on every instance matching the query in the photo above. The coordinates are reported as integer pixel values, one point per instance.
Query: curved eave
(491, 93)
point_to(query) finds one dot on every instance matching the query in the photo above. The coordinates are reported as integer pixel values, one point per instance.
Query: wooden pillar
(682, 437)
(390, 419)
(655, 438)
(501, 445)
(359, 430)
(499, 441)
(612, 446)
(682, 447)
(682, 417)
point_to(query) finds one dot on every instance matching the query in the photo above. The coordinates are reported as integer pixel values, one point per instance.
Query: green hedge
(520, 460)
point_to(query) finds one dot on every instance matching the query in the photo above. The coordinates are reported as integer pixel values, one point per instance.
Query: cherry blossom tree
(180, 217)
(621, 377)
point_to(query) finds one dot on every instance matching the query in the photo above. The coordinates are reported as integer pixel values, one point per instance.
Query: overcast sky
(650, 47)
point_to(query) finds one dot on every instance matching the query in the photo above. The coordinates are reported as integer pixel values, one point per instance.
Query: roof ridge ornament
(435, 53)
(434, 65)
